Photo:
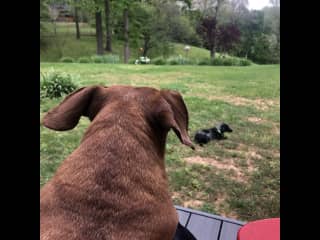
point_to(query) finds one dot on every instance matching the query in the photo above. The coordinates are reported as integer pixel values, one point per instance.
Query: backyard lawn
(238, 177)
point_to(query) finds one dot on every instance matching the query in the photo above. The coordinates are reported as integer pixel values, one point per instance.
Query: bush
(55, 84)
(244, 62)
(110, 58)
(84, 60)
(159, 61)
(67, 60)
(97, 59)
(172, 61)
(204, 61)
(179, 60)
(217, 61)
(229, 62)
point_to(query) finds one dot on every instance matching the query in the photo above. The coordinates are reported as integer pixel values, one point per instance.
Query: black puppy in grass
(205, 135)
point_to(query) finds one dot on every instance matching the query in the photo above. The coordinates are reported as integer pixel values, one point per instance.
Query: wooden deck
(206, 226)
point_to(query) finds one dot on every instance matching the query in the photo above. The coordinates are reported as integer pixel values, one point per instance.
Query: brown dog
(114, 185)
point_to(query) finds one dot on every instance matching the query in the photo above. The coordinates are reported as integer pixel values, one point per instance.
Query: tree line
(224, 26)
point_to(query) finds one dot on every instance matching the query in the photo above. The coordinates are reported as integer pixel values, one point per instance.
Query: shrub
(217, 61)
(84, 60)
(97, 59)
(55, 84)
(110, 58)
(159, 61)
(67, 60)
(204, 61)
(172, 62)
(229, 62)
(179, 60)
(244, 62)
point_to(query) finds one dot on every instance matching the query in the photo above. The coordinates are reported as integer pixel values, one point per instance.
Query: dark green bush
(179, 60)
(172, 61)
(159, 61)
(111, 58)
(67, 60)
(217, 61)
(204, 61)
(54, 84)
(84, 60)
(97, 59)
(244, 62)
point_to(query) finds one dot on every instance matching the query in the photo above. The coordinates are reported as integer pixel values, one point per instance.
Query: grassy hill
(238, 177)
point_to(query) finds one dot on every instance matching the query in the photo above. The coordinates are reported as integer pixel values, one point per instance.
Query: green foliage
(179, 60)
(204, 61)
(55, 84)
(110, 58)
(229, 61)
(44, 16)
(244, 62)
(158, 61)
(265, 50)
(84, 60)
(67, 60)
(97, 59)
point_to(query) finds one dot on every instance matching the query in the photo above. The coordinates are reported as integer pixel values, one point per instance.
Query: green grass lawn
(238, 177)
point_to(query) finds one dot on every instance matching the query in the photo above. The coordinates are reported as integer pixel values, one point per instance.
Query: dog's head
(162, 110)
(223, 127)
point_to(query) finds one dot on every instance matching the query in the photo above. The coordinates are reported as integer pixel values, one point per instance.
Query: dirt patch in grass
(196, 202)
(255, 120)
(260, 104)
(193, 203)
(238, 173)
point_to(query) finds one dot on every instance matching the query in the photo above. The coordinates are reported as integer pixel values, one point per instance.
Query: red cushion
(265, 229)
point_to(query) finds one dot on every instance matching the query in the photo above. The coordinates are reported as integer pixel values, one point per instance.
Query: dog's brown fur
(114, 185)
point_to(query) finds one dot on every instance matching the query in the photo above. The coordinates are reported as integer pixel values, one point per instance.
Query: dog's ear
(66, 115)
(175, 115)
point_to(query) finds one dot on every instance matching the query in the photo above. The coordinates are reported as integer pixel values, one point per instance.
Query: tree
(228, 36)
(44, 15)
(150, 28)
(94, 7)
(54, 14)
(107, 9)
(76, 18)
(124, 6)
(99, 32)
(275, 3)
(209, 23)
(208, 31)
(251, 27)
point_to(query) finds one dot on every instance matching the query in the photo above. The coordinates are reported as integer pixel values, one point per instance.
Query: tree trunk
(99, 35)
(76, 16)
(108, 29)
(126, 35)
(54, 27)
(214, 42)
(146, 45)
(212, 52)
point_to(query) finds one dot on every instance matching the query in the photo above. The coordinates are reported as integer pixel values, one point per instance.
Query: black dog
(183, 233)
(205, 135)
